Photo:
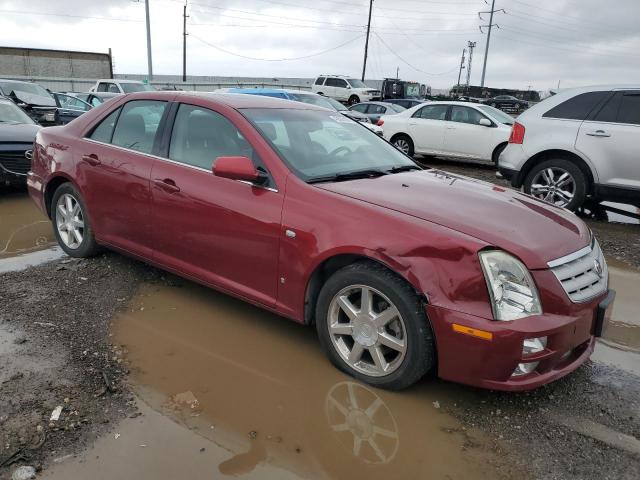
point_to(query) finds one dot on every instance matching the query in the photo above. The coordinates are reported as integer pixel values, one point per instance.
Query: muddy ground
(161, 378)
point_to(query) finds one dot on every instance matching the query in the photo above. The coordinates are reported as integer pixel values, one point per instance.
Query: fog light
(533, 345)
(524, 369)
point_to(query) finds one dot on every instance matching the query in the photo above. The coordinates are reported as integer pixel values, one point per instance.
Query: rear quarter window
(578, 107)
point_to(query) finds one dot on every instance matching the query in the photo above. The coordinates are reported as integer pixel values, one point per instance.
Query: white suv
(344, 89)
(111, 85)
(580, 143)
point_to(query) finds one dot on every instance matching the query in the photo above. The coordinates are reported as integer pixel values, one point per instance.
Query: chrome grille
(583, 274)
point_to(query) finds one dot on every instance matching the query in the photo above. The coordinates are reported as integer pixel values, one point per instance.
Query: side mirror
(485, 122)
(236, 168)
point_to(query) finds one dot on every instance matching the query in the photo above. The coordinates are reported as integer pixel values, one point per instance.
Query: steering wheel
(335, 152)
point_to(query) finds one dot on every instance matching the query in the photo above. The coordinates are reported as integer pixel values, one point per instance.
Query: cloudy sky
(539, 43)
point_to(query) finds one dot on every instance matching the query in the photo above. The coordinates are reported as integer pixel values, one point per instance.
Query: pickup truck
(112, 85)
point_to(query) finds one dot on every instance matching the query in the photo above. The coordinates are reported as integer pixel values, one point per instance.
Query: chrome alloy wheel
(70, 221)
(402, 145)
(367, 330)
(554, 185)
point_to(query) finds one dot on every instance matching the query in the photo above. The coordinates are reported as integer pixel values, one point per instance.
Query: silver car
(581, 143)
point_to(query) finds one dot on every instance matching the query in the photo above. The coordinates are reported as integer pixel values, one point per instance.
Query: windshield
(32, 88)
(397, 108)
(355, 83)
(136, 87)
(317, 144)
(499, 115)
(10, 113)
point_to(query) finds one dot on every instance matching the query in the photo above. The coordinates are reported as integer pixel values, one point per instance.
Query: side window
(432, 112)
(113, 88)
(465, 115)
(104, 131)
(340, 83)
(609, 113)
(95, 101)
(332, 82)
(201, 135)
(377, 109)
(630, 109)
(362, 108)
(578, 107)
(103, 87)
(137, 125)
(320, 81)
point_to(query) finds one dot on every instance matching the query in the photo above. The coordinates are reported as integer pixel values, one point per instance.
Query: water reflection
(23, 228)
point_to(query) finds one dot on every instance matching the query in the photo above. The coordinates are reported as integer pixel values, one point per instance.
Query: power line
(409, 64)
(112, 19)
(277, 59)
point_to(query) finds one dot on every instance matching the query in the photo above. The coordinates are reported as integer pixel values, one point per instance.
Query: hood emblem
(28, 154)
(597, 267)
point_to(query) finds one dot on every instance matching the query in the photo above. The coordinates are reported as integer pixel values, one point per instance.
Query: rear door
(427, 126)
(611, 140)
(114, 166)
(465, 137)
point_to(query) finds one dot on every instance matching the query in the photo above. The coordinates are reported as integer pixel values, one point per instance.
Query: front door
(114, 165)
(610, 140)
(465, 137)
(219, 231)
(427, 128)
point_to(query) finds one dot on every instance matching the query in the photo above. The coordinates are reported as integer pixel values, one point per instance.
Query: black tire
(88, 247)
(411, 151)
(420, 356)
(579, 178)
(320, 93)
(353, 100)
(496, 153)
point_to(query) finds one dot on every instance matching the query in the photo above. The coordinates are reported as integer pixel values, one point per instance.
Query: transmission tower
(471, 46)
(489, 27)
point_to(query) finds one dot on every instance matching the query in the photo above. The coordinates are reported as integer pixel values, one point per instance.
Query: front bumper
(490, 363)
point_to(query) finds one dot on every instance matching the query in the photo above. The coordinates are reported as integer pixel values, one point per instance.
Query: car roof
(255, 90)
(239, 100)
(118, 80)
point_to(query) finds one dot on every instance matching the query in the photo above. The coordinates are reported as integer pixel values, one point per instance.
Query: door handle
(412, 123)
(167, 185)
(91, 159)
(599, 133)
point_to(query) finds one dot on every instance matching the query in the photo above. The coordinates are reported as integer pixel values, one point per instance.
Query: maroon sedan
(308, 214)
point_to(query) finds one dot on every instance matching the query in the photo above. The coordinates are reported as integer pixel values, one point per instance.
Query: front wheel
(71, 223)
(353, 100)
(373, 326)
(404, 144)
(557, 181)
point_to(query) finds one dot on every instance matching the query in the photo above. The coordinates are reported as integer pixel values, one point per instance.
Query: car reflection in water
(261, 389)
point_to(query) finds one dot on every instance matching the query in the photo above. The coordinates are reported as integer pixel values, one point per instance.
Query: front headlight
(511, 288)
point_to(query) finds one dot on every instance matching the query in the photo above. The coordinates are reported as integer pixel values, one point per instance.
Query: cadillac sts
(306, 213)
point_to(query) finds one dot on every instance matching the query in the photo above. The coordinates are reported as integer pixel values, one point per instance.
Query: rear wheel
(71, 224)
(354, 99)
(558, 181)
(404, 144)
(373, 326)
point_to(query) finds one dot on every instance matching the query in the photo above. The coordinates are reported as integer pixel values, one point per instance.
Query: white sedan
(450, 129)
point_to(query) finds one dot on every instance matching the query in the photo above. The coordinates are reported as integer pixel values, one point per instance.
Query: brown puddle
(23, 228)
(266, 403)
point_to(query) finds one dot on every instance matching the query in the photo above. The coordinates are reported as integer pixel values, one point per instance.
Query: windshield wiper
(339, 177)
(404, 168)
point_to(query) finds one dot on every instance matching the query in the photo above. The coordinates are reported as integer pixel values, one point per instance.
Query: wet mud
(23, 228)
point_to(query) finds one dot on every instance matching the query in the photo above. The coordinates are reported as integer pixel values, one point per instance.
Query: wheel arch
(400, 134)
(557, 153)
(502, 145)
(50, 188)
(332, 264)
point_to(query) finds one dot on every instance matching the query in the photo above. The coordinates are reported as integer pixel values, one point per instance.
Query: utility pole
(149, 61)
(398, 72)
(471, 46)
(490, 26)
(184, 43)
(464, 50)
(366, 44)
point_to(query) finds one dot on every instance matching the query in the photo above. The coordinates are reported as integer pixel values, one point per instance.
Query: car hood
(18, 133)
(528, 228)
(34, 100)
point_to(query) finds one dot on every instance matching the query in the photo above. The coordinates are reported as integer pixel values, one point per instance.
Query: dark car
(405, 102)
(17, 133)
(374, 110)
(69, 107)
(32, 98)
(94, 98)
(507, 102)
